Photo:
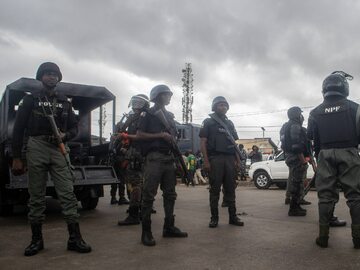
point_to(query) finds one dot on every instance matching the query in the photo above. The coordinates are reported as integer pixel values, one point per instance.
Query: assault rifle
(57, 136)
(175, 148)
(312, 180)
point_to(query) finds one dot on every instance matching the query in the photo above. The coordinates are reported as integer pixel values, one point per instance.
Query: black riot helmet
(157, 90)
(139, 102)
(294, 113)
(46, 67)
(218, 100)
(336, 84)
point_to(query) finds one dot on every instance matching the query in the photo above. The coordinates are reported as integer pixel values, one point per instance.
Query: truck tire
(5, 208)
(262, 180)
(89, 203)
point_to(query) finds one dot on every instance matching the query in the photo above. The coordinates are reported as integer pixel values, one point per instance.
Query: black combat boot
(214, 217)
(113, 200)
(75, 242)
(287, 200)
(169, 230)
(295, 210)
(224, 204)
(355, 232)
(122, 201)
(132, 218)
(335, 222)
(37, 242)
(214, 220)
(304, 202)
(322, 240)
(233, 218)
(146, 237)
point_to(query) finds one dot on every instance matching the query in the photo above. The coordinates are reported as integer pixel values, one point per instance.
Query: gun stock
(313, 165)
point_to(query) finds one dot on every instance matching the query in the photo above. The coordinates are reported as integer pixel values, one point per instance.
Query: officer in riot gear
(117, 158)
(295, 145)
(334, 128)
(159, 164)
(43, 156)
(220, 160)
(134, 159)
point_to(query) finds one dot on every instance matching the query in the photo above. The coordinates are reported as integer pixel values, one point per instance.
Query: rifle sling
(221, 123)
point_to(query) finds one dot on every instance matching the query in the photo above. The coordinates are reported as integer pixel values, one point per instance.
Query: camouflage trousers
(297, 174)
(44, 158)
(134, 181)
(338, 166)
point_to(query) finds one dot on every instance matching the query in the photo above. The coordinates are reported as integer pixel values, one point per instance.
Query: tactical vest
(335, 124)
(285, 137)
(38, 123)
(217, 141)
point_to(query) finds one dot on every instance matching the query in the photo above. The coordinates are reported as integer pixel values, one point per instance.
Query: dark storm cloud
(264, 53)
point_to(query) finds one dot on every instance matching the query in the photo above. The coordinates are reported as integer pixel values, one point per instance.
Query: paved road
(269, 240)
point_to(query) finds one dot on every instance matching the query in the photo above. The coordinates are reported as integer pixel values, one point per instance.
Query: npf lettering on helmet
(49, 104)
(332, 109)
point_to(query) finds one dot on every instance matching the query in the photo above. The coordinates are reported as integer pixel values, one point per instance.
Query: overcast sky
(263, 56)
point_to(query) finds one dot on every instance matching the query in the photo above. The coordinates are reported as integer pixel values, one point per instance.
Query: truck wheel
(5, 209)
(89, 203)
(262, 180)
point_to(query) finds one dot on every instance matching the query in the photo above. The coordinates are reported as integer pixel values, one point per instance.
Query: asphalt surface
(269, 240)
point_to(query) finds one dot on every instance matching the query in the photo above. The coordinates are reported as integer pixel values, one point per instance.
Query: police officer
(134, 170)
(159, 164)
(295, 145)
(334, 128)
(43, 156)
(118, 162)
(220, 160)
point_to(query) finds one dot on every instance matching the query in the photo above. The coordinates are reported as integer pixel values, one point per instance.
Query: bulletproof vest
(285, 137)
(154, 125)
(218, 142)
(135, 146)
(336, 125)
(58, 105)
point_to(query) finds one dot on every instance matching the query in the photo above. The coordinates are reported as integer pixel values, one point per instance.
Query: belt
(46, 138)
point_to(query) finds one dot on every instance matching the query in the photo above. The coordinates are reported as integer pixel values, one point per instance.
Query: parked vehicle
(274, 171)
(188, 137)
(90, 177)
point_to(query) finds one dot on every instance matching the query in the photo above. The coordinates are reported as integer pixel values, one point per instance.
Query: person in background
(191, 166)
(243, 157)
(255, 155)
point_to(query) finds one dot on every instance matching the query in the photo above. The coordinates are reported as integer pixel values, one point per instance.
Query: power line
(258, 126)
(260, 113)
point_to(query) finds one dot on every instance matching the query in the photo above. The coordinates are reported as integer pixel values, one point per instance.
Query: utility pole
(187, 99)
(263, 130)
(102, 123)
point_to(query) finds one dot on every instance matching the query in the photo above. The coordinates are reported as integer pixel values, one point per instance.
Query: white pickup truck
(273, 171)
